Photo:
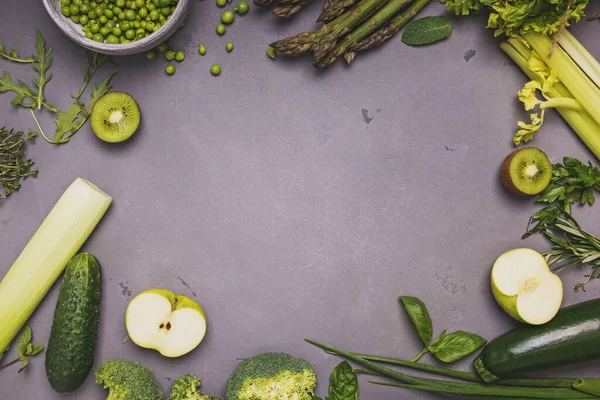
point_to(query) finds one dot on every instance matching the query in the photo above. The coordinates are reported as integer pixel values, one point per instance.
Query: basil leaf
(436, 345)
(343, 383)
(419, 316)
(24, 340)
(457, 345)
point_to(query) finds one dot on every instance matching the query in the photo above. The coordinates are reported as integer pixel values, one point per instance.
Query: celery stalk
(580, 55)
(569, 72)
(44, 258)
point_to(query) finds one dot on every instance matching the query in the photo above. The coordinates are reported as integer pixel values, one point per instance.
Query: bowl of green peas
(118, 27)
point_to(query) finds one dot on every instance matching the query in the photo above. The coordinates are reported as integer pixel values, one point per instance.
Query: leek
(57, 240)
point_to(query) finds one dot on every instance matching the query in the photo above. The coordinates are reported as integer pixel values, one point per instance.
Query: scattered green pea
(229, 47)
(151, 55)
(221, 29)
(75, 18)
(74, 9)
(117, 31)
(130, 34)
(221, 3)
(215, 69)
(104, 31)
(242, 7)
(112, 39)
(182, 24)
(169, 55)
(65, 11)
(227, 17)
(163, 47)
(202, 50)
(170, 69)
(98, 38)
(179, 56)
(84, 19)
(89, 35)
(271, 53)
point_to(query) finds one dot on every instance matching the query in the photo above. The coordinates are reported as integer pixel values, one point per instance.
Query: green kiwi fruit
(115, 117)
(526, 171)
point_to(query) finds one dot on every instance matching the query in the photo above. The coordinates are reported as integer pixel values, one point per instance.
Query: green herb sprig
(12, 55)
(447, 347)
(26, 350)
(13, 166)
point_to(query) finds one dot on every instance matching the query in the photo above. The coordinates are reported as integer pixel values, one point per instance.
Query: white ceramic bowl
(75, 33)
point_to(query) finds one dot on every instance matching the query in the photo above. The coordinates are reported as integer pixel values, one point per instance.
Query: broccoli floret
(276, 376)
(128, 380)
(187, 387)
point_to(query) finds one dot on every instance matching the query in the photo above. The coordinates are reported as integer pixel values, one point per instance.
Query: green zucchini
(572, 336)
(72, 343)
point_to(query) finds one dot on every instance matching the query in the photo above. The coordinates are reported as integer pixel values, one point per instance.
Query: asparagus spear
(380, 37)
(322, 60)
(307, 41)
(335, 8)
(287, 10)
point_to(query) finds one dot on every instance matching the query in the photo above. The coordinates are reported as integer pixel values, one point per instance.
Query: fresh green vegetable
(427, 30)
(221, 29)
(58, 238)
(163, 47)
(13, 166)
(242, 7)
(202, 50)
(187, 387)
(271, 53)
(287, 10)
(569, 338)
(127, 380)
(277, 376)
(511, 16)
(170, 69)
(169, 55)
(41, 64)
(72, 343)
(12, 55)
(215, 69)
(151, 55)
(229, 47)
(25, 349)
(343, 383)
(179, 56)
(221, 3)
(447, 347)
(335, 8)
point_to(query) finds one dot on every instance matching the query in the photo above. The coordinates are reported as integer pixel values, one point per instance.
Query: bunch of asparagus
(350, 26)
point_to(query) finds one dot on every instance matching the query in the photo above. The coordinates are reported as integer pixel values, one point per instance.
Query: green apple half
(525, 287)
(161, 320)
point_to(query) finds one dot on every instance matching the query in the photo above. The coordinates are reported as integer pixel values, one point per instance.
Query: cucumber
(72, 343)
(572, 336)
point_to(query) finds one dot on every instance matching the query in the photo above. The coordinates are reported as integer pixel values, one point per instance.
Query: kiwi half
(115, 117)
(526, 171)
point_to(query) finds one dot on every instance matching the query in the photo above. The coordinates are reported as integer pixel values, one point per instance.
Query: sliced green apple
(159, 319)
(525, 287)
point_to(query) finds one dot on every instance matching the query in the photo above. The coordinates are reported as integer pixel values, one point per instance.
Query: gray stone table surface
(289, 202)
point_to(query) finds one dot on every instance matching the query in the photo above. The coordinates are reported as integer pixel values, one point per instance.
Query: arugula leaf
(94, 61)
(456, 346)
(42, 64)
(25, 97)
(343, 383)
(13, 56)
(417, 311)
(68, 122)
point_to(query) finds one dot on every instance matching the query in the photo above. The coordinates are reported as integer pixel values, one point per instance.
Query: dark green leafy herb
(343, 383)
(456, 346)
(572, 182)
(13, 166)
(42, 64)
(417, 311)
(25, 97)
(12, 55)
(427, 30)
(25, 349)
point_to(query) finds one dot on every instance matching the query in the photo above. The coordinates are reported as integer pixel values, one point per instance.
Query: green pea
(154, 15)
(242, 7)
(84, 8)
(99, 11)
(120, 3)
(111, 39)
(228, 17)
(110, 24)
(130, 34)
(130, 15)
(165, 11)
(170, 69)
(65, 11)
(117, 31)
(202, 50)
(182, 24)
(140, 3)
(151, 55)
(156, 3)
(143, 25)
(162, 18)
(104, 31)
(89, 35)
(95, 28)
(75, 18)
(83, 19)
(103, 20)
(125, 41)
(65, 3)
(271, 53)
(150, 26)
(221, 29)
(164, 3)
(109, 14)
(140, 33)
(229, 47)
(92, 15)
(116, 11)
(143, 12)
(169, 55)
(98, 38)
(164, 46)
(77, 2)
(150, 6)
(136, 24)
(215, 69)
(93, 4)
(122, 16)
(221, 3)
(179, 56)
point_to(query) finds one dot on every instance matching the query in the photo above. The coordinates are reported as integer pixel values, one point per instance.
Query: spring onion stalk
(59, 237)
(557, 95)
